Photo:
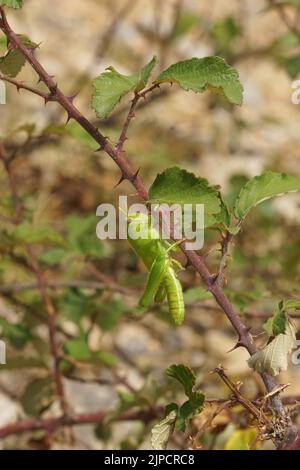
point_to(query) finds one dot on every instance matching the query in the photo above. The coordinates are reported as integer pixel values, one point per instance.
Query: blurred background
(111, 358)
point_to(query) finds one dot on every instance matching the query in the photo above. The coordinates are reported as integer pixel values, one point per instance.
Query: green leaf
(26, 234)
(82, 239)
(208, 73)
(18, 334)
(110, 314)
(292, 65)
(184, 375)
(110, 87)
(105, 357)
(161, 432)
(75, 304)
(224, 32)
(77, 132)
(26, 41)
(260, 188)
(189, 409)
(13, 62)
(196, 293)
(273, 358)
(78, 349)
(53, 256)
(185, 23)
(276, 324)
(177, 186)
(38, 396)
(17, 4)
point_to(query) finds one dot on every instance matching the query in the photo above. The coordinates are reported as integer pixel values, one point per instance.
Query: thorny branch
(127, 173)
(41, 282)
(52, 424)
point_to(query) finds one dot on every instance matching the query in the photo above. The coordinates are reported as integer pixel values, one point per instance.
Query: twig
(51, 315)
(240, 398)
(131, 115)
(209, 422)
(220, 280)
(52, 424)
(94, 285)
(21, 86)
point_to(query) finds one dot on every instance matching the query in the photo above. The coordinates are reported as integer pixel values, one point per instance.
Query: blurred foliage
(95, 285)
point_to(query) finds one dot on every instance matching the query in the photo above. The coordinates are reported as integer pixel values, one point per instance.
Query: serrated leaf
(178, 186)
(189, 409)
(260, 188)
(208, 73)
(13, 62)
(161, 432)
(38, 396)
(17, 4)
(273, 358)
(184, 375)
(111, 86)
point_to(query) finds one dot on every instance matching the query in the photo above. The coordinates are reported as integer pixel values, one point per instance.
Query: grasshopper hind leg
(160, 294)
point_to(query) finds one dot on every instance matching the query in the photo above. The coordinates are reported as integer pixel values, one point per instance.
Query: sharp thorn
(134, 177)
(239, 344)
(69, 117)
(99, 149)
(123, 178)
(47, 99)
(72, 98)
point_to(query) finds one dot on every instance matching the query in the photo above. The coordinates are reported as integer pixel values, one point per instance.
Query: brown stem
(240, 398)
(224, 257)
(52, 424)
(51, 315)
(21, 86)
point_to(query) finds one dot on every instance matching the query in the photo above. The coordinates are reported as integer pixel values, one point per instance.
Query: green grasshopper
(154, 252)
